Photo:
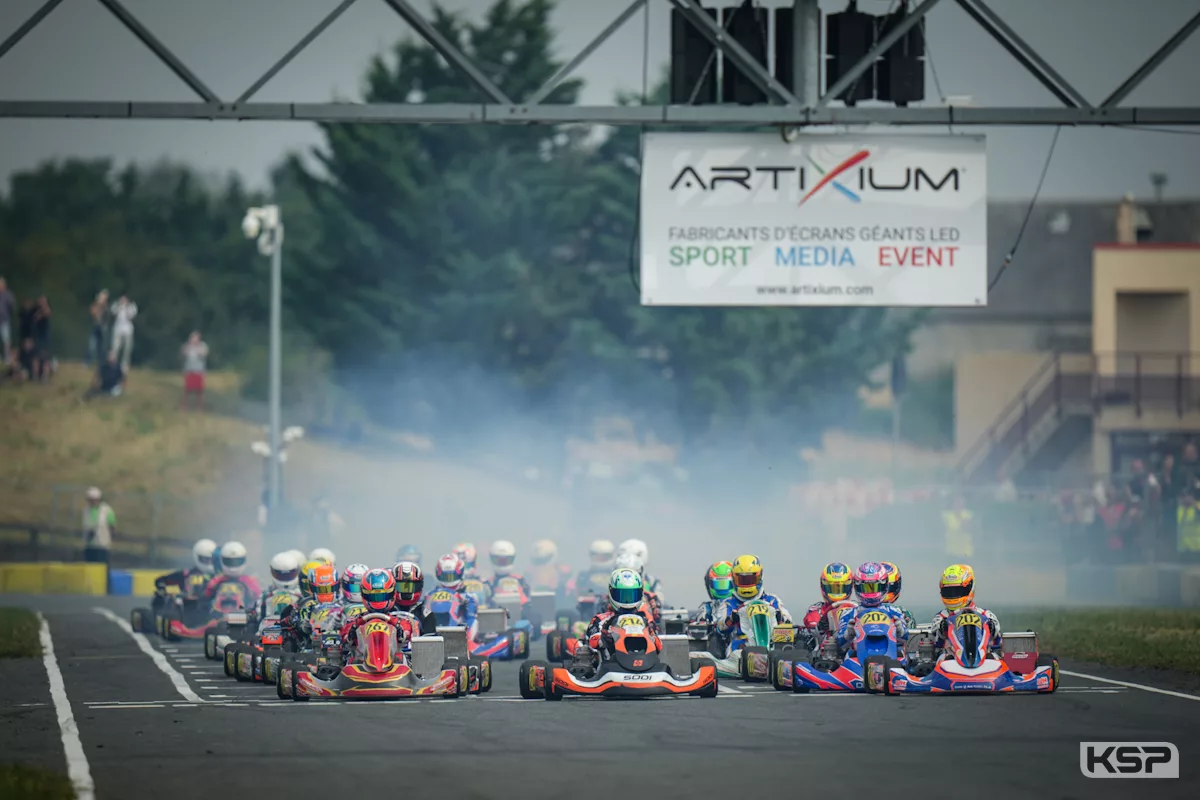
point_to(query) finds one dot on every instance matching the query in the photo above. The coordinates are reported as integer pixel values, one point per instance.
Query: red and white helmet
(450, 571)
(466, 552)
(410, 583)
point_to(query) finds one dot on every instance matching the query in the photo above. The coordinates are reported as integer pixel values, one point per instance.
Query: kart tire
(279, 685)
(238, 652)
(518, 644)
(876, 665)
(210, 646)
(1048, 660)
(549, 691)
(776, 675)
(229, 660)
(529, 691)
(141, 620)
(743, 664)
(556, 646)
(484, 668)
(256, 666)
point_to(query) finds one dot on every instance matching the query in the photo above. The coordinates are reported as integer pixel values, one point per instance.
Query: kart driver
(821, 619)
(626, 595)
(870, 583)
(284, 589)
(231, 590)
(378, 588)
(468, 554)
(503, 554)
(957, 587)
(891, 595)
(747, 587)
(351, 579)
(449, 574)
(594, 579)
(652, 601)
(410, 583)
(409, 552)
(191, 580)
(718, 582)
(323, 555)
(549, 576)
(639, 549)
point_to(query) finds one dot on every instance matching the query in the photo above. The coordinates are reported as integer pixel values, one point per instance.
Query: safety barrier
(53, 577)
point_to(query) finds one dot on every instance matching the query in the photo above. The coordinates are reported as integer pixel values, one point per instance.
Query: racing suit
(510, 584)
(941, 619)
(461, 605)
(847, 628)
(820, 620)
(407, 626)
(729, 623)
(597, 638)
(709, 613)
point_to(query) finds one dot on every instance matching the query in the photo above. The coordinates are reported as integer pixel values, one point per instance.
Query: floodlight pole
(265, 225)
(806, 47)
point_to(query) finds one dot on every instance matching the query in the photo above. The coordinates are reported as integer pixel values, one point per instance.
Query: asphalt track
(145, 735)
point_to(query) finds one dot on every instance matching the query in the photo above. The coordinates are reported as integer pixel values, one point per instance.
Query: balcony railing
(1084, 383)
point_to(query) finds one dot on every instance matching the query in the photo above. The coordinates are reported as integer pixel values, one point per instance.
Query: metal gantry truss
(786, 110)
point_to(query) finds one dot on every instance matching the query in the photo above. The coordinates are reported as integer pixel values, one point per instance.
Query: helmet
(450, 571)
(957, 587)
(502, 555)
(635, 546)
(719, 580)
(892, 593)
(300, 557)
(870, 582)
(351, 578)
(625, 589)
(202, 554)
(305, 582)
(323, 581)
(836, 582)
(747, 577)
(233, 558)
(466, 552)
(601, 552)
(285, 569)
(321, 554)
(409, 552)
(544, 551)
(409, 584)
(628, 560)
(378, 590)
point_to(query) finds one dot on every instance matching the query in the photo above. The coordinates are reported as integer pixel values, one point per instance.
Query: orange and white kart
(640, 664)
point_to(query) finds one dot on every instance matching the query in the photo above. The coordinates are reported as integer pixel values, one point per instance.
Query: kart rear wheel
(279, 690)
(744, 662)
(484, 668)
(229, 658)
(875, 675)
(556, 648)
(141, 620)
(550, 691)
(528, 685)
(210, 646)
(1048, 660)
(777, 661)
(518, 645)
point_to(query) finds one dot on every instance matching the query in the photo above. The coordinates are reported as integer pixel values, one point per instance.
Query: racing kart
(638, 663)
(377, 669)
(570, 626)
(315, 641)
(493, 636)
(189, 596)
(875, 642)
(750, 655)
(969, 666)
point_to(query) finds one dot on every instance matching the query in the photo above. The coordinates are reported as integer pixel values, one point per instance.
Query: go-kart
(570, 627)
(970, 666)
(638, 663)
(308, 641)
(377, 669)
(750, 654)
(875, 641)
(190, 596)
(493, 636)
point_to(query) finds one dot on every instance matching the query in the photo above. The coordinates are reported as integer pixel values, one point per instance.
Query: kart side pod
(675, 654)
(428, 654)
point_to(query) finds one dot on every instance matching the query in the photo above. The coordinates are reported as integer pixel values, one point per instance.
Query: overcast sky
(82, 53)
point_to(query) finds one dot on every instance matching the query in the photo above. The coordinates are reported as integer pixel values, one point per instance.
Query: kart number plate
(875, 618)
(376, 626)
(969, 619)
(758, 610)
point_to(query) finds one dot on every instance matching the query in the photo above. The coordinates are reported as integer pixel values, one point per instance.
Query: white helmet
(502, 555)
(635, 546)
(544, 551)
(202, 554)
(301, 559)
(322, 554)
(631, 560)
(352, 582)
(285, 569)
(601, 552)
(233, 558)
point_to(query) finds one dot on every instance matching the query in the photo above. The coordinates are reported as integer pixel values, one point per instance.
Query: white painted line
(158, 658)
(127, 705)
(221, 696)
(92, 703)
(211, 687)
(723, 688)
(1156, 690)
(186, 658)
(77, 765)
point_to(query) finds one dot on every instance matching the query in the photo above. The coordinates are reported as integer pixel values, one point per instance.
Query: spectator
(195, 358)
(41, 338)
(123, 311)
(8, 309)
(99, 523)
(27, 360)
(26, 320)
(108, 380)
(99, 317)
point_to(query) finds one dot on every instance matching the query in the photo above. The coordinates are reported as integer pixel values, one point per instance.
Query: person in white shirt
(123, 311)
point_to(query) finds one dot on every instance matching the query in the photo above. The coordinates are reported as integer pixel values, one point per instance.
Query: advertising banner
(747, 219)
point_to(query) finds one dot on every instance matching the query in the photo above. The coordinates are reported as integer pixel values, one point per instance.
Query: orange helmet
(323, 581)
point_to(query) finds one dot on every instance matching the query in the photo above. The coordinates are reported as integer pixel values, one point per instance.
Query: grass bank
(1134, 638)
(19, 637)
(30, 783)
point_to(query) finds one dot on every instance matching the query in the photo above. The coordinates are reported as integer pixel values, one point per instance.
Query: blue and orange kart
(875, 641)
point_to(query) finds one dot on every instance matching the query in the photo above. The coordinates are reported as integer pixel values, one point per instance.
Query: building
(1087, 352)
